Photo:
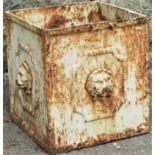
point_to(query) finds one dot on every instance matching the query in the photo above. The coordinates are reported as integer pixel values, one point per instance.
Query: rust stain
(31, 131)
(141, 20)
(56, 22)
(104, 138)
(96, 16)
(8, 34)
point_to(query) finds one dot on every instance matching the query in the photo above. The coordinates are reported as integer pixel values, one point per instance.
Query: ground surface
(16, 142)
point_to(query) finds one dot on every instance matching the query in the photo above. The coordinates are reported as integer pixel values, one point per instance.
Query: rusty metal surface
(88, 64)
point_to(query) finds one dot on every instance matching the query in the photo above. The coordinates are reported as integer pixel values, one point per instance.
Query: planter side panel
(26, 81)
(79, 119)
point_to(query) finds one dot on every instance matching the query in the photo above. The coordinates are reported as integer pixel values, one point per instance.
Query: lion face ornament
(100, 84)
(24, 78)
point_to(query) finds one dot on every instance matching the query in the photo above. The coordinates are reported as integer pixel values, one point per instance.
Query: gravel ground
(16, 142)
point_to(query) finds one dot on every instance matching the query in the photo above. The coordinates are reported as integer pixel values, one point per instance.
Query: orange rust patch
(96, 16)
(104, 138)
(56, 22)
(31, 131)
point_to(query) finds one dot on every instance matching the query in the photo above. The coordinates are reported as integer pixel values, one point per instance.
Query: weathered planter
(78, 74)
